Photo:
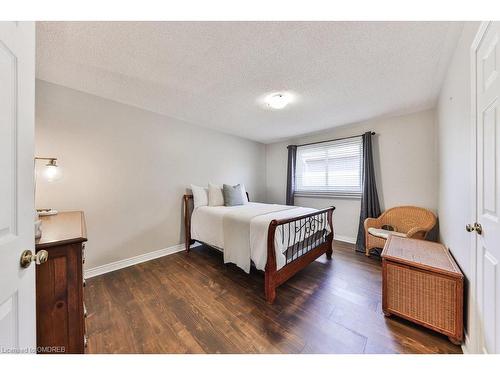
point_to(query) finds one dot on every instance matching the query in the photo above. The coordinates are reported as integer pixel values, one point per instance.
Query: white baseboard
(466, 345)
(119, 264)
(345, 238)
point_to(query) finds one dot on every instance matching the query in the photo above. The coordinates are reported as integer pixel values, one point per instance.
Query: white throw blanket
(237, 233)
(246, 230)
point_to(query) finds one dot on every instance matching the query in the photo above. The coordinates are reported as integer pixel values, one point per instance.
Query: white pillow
(200, 196)
(215, 196)
(244, 194)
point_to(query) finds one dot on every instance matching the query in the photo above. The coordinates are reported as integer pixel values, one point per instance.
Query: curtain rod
(331, 140)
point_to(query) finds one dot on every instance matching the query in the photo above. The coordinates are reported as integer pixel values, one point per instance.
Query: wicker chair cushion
(382, 233)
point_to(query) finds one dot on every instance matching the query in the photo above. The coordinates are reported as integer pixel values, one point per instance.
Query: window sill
(327, 195)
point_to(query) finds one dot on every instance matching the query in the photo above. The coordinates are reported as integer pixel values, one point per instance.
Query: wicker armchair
(410, 221)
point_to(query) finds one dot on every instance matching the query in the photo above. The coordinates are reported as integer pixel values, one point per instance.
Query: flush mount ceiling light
(278, 100)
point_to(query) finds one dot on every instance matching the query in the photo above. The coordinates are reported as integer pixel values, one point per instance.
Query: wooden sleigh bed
(303, 244)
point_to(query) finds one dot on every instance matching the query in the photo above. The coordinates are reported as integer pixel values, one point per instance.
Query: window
(330, 168)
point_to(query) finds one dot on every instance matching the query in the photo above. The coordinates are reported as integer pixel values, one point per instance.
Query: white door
(17, 97)
(488, 188)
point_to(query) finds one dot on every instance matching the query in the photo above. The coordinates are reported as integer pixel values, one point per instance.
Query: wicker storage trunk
(422, 283)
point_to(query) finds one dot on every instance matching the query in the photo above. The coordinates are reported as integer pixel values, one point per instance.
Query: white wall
(405, 159)
(128, 168)
(455, 158)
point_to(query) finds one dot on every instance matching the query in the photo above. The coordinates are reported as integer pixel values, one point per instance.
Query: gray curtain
(290, 174)
(370, 206)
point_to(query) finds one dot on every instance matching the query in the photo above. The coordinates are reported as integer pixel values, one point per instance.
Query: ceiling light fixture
(278, 100)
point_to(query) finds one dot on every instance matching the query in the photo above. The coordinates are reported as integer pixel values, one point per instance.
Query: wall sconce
(50, 173)
(51, 170)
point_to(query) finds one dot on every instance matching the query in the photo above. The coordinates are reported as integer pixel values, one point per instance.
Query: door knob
(478, 228)
(474, 227)
(27, 257)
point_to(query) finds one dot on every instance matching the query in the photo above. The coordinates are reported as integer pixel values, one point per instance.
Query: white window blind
(330, 168)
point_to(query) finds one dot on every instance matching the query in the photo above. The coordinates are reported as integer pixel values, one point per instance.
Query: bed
(279, 240)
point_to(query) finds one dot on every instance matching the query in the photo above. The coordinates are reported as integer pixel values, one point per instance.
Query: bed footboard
(305, 241)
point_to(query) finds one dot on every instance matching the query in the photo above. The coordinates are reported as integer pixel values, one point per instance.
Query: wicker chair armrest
(413, 231)
(372, 223)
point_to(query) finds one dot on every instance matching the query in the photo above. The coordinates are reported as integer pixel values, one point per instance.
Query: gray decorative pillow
(233, 195)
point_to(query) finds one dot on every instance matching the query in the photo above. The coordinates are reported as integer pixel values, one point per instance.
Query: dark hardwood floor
(193, 303)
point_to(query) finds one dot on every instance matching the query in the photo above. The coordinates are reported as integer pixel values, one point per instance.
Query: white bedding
(248, 243)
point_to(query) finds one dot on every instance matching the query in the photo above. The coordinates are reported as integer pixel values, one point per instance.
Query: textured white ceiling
(215, 74)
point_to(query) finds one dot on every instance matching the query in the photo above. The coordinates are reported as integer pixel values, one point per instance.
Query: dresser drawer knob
(83, 253)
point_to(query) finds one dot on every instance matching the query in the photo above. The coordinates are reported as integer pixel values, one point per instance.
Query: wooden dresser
(60, 309)
(422, 283)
